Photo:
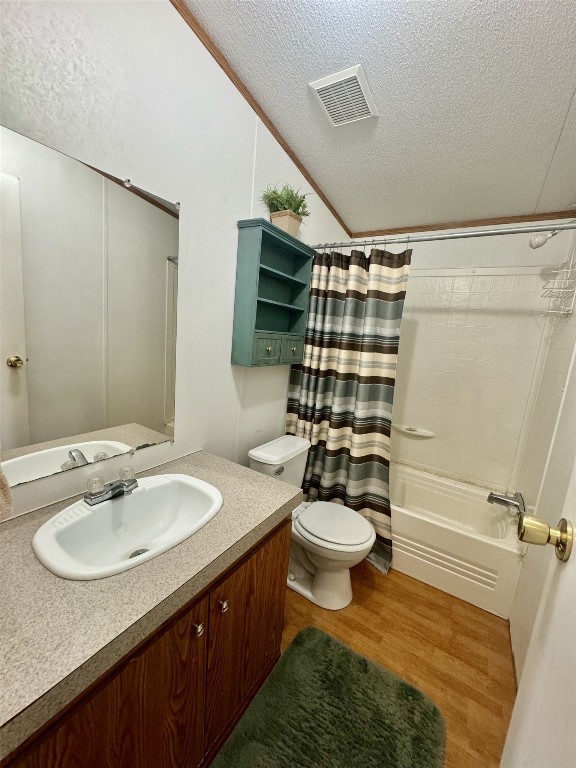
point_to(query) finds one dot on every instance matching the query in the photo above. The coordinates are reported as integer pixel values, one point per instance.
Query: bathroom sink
(91, 542)
(48, 462)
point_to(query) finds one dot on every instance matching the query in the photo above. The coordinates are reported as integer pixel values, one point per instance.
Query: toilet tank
(284, 458)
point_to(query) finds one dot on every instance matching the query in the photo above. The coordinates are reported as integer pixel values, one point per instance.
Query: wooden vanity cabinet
(150, 713)
(246, 621)
(174, 702)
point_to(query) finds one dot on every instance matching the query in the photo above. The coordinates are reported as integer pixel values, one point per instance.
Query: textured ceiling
(475, 97)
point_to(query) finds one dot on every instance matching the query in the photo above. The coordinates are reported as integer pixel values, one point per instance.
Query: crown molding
(550, 216)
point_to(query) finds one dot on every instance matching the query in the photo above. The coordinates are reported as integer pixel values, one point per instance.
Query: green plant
(285, 199)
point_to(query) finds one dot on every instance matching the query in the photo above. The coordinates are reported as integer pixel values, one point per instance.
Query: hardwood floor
(458, 654)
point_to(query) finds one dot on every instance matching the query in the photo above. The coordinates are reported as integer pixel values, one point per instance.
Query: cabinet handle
(224, 605)
(199, 629)
(269, 350)
(293, 349)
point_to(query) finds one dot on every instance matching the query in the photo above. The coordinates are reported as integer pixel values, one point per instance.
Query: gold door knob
(199, 629)
(224, 605)
(14, 361)
(532, 530)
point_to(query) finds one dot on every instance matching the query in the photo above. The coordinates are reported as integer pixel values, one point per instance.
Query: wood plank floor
(456, 653)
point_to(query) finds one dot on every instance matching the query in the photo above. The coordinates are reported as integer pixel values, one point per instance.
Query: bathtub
(445, 534)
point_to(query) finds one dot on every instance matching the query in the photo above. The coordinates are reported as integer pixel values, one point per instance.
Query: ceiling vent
(345, 96)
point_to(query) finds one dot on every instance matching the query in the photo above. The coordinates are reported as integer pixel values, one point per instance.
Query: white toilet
(327, 538)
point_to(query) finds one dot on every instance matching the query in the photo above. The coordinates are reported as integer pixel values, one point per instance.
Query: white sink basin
(84, 542)
(48, 462)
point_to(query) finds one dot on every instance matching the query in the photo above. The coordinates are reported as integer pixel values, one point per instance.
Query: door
(246, 620)
(542, 732)
(14, 392)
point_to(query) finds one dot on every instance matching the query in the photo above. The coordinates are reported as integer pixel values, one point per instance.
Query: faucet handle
(95, 485)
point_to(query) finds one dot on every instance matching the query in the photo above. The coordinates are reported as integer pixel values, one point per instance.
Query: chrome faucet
(96, 495)
(78, 457)
(516, 501)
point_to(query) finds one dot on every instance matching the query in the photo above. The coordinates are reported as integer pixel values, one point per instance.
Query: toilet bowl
(327, 538)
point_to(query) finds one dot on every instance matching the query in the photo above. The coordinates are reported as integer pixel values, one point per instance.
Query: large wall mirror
(88, 313)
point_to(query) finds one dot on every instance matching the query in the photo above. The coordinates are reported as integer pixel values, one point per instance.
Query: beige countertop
(59, 636)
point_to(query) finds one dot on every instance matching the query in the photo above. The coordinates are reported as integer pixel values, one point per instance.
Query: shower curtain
(340, 397)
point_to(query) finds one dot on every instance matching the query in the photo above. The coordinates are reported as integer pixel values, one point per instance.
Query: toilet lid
(335, 523)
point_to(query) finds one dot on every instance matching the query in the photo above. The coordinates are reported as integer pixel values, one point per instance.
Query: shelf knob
(269, 350)
(224, 605)
(199, 629)
(293, 349)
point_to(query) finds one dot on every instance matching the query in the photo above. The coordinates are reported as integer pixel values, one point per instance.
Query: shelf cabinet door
(246, 620)
(292, 349)
(267, 349)
(272, 291)
(149, 714)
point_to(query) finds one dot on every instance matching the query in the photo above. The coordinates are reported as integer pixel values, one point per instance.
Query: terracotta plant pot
(288, 221)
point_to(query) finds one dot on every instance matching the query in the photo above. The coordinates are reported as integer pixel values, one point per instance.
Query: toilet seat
(333, 526)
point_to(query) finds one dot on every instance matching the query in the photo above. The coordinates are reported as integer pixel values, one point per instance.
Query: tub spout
(516, 501)
(76, 455)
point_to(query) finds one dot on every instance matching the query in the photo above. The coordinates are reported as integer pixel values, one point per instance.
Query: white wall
(140, 238)
(471, 350)
(144, 100)
(263, 391)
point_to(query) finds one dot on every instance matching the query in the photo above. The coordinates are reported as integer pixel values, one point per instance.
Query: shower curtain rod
(408, 239)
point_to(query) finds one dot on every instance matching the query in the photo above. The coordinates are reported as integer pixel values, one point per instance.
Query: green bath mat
(324, 706)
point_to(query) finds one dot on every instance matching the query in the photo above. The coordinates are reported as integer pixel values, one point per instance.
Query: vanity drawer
(266, 349)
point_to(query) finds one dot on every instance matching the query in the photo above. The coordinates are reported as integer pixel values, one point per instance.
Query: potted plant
(287, 207)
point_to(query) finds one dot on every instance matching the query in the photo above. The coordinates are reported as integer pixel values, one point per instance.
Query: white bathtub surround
(446, 534)
(472, 345)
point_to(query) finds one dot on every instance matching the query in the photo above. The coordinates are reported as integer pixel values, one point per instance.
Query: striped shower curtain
(340, 397)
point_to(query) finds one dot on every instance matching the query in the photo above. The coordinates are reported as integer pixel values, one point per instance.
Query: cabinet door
(149, 714)
(266, 349)
(246, 620)
(292, 349)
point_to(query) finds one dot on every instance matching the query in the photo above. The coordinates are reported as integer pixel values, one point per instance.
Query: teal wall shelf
(272, 288)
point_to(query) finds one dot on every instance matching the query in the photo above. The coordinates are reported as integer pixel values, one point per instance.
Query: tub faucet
(76, 455)
(516, 501)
